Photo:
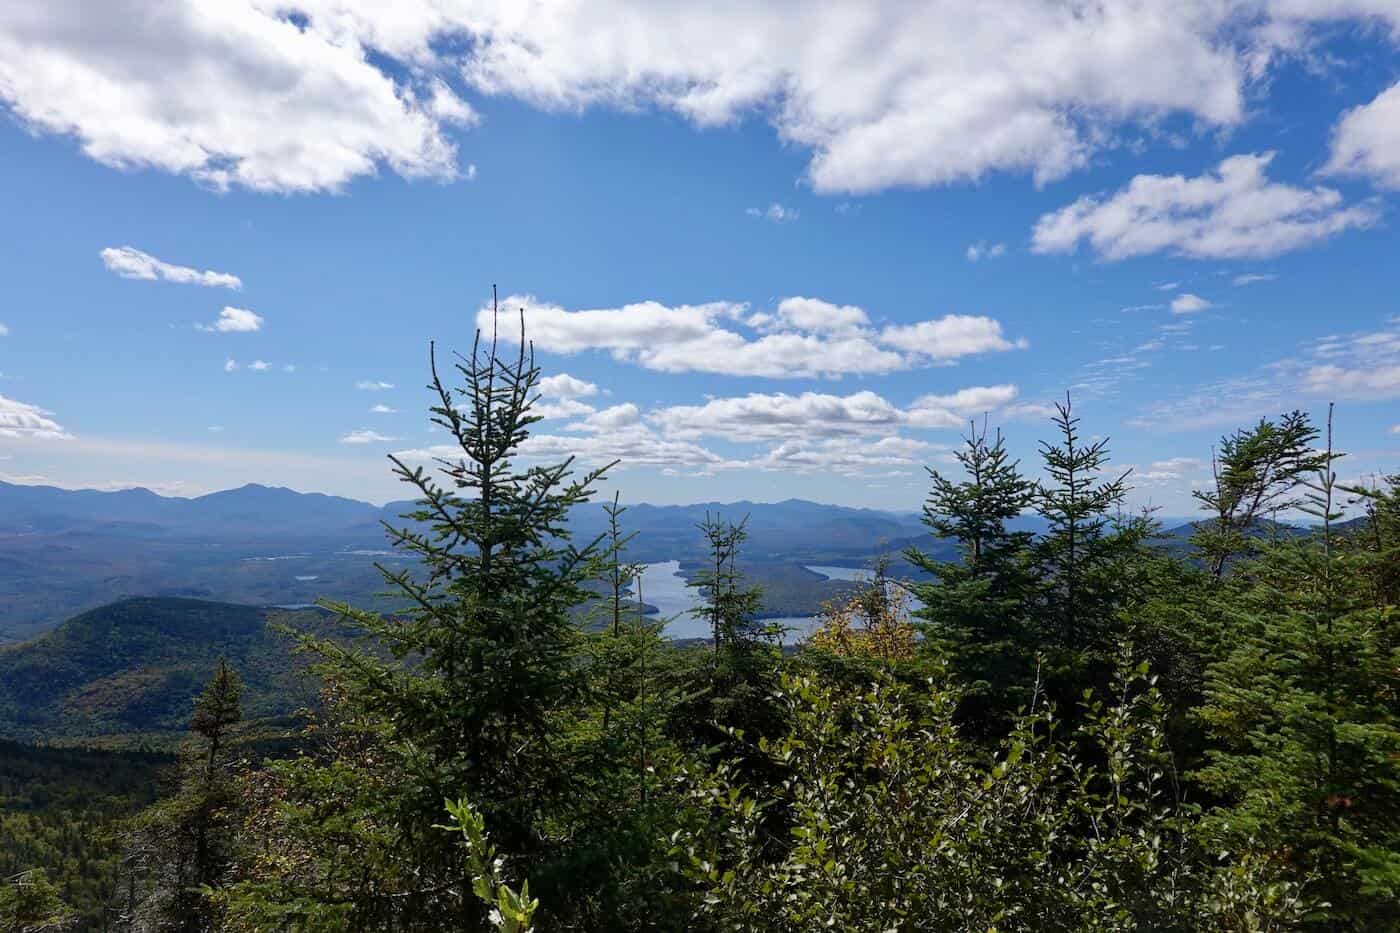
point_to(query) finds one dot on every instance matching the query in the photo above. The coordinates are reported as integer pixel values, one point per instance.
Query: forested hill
(133, 668)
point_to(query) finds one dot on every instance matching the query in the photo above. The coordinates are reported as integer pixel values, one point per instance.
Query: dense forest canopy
(1069, 730)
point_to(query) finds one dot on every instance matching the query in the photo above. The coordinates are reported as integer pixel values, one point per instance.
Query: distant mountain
(66, 551)
(134, 668)
(251, 509)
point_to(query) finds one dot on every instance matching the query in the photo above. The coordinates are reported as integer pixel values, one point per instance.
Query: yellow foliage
(872, 624)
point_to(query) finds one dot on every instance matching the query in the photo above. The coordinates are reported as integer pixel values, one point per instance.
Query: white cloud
(1362, 365)
(230, 365)
(952, 411)
(4, 331)
(1233, 212)
(1167, 286)
(1341, 382)
(366, 436)
(234, 321)
(130, 263)
(763, 417)
(979, 251)
(564, 408)
(20, 419)
(373, 385)
(259, 365)
(1366, 140)
(563, 385)
(1175, 468)
(1250, 278)
(760, 417)
(383, 410)
(846, 456)
(230, 93)
(950, 337)
(882, 94)
(1187, 303)
(609, 419)
(774, 212)
(289, 367)
(1395, 430)
(634, 446)
(821, 317)
(695, 338)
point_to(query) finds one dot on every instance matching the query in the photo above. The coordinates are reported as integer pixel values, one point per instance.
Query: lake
(663, 586)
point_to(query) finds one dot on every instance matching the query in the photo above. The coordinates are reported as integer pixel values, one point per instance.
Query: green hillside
(132, 668)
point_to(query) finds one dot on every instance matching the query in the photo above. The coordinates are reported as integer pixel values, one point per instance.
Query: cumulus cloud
(234, 93)
(259, 366)
(1233, 212)
(950, 337)
(805, 338)
(951, 411)
(1187, 303)
(130, 263)
(846, 456)
(563, 408)
(979, 251)
(882, 94)
(609, 419)
(775, 212)
(383, 410)
(4, 331)
(230, 365)
(373, 385)
(761, 417)
(821, 317)
(234, 321)
(1366, 141)
(634, 446)
(20, 419)
(563, 385)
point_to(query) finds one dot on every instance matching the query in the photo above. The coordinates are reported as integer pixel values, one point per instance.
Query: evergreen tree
(731, 691)
(726, 603)
(473, 689)
(31, 903)
(1304, 716)
(183, 846)
(1089, 560)
(975, 610)
(1257, 472)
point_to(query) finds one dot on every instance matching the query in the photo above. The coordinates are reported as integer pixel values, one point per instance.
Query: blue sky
(779, 253)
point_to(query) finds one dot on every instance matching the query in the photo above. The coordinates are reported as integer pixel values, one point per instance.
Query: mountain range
(66, 551)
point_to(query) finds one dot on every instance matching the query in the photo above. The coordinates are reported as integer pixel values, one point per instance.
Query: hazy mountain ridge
(66, 551)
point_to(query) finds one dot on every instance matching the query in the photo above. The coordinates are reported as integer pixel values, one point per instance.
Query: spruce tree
(184, 846)
(1088, 560)
(1305, 719)
(470, 690)
(1257, 473)
(975, 609)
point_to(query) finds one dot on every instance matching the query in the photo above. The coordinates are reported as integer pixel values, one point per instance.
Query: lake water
(663, 587)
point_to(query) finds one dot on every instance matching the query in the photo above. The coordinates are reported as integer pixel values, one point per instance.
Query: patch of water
(663, 586)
